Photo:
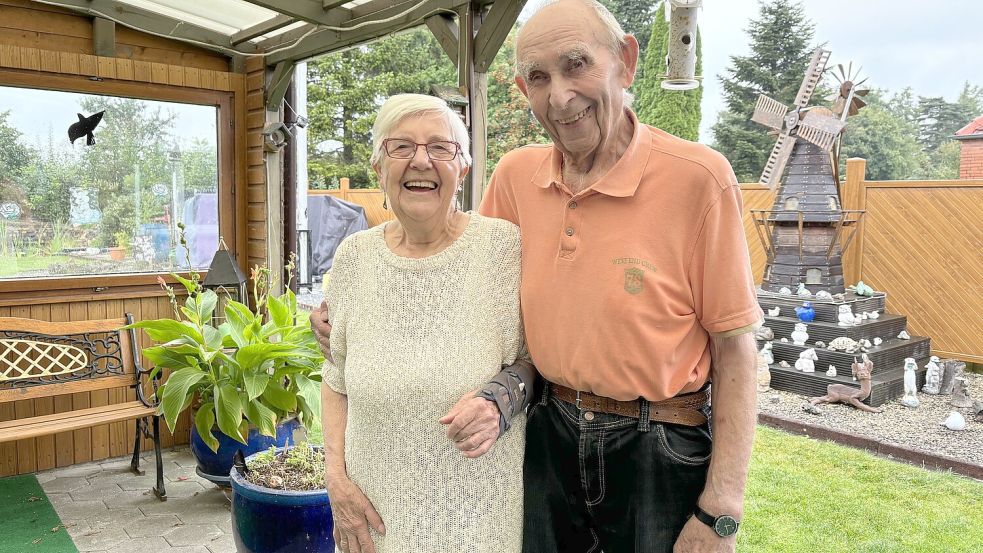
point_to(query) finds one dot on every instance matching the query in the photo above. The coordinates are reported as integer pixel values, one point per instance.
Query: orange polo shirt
(623, 283)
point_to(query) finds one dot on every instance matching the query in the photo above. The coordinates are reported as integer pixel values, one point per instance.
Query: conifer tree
(676, 112)
(781, 46)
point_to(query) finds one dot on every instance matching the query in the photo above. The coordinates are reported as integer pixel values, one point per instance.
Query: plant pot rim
(279, 497)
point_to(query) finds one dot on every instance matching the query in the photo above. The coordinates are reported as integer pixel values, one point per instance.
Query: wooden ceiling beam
(261, 29)
(495, 28)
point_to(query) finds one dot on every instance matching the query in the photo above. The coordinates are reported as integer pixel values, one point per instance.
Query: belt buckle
(577, 402)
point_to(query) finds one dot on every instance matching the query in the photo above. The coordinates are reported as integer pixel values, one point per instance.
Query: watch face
(725, 526)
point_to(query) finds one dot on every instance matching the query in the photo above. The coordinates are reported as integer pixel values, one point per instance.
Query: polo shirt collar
(621, 180)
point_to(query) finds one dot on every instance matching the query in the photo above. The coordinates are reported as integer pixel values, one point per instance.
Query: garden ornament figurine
(767, 354)
(84, 127)
(831, 371)
(774, 311)
(910, 398)
(824, 295)
(803, 292)
(955, 421)
(764, 371)
(933, 377)
(960, 393)
(799, 335)
(861, 289)
(806, 313)
(784, 291)
(806, 361)
(841, 393)
(845, 316)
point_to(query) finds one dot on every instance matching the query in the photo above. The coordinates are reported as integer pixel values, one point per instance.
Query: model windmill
(806, 230)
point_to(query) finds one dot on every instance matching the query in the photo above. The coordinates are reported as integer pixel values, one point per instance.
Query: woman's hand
(353, 514)
(472, 424)
(322, 328)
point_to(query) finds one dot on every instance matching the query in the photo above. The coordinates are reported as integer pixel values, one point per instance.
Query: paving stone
(65, 484)
(222, 544)
(117, 518)
(154, 544)
(138, 483)
(179, 473)
(45, 477)
(225, 525)
(192, 534)
(130, 500)
(78, 510)
(76, 528)
(84, 470)
(187, 488)
(156, 525)
(59, 498)
(100, 540)
(118, 464)
(96, 492)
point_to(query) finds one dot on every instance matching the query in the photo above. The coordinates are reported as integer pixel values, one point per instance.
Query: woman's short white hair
(401, 106)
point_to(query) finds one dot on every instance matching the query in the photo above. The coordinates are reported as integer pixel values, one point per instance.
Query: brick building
(971, 152)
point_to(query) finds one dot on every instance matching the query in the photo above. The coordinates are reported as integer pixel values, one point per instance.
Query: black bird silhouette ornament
(84, 127)
(239, 462)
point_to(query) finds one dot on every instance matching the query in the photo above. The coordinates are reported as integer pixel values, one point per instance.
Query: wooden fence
(921, 242)
(369, 198)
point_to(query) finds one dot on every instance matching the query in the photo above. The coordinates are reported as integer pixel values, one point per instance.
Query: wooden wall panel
(256, 190)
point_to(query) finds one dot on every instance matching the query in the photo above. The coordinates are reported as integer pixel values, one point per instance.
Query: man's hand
(353, 513)
(697, 537)
(472, 424)
(322, 329)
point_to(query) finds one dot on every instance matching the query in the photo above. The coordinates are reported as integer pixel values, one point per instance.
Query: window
(814, 276)
(791, 203)
(834, 203)
(69, 209)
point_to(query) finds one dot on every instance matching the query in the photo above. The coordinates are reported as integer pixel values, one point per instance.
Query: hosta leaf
(177, 391)
(256, 382)
(229, 410)
(204, 421)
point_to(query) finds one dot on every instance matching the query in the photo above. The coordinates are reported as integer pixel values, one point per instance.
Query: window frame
(132, 284)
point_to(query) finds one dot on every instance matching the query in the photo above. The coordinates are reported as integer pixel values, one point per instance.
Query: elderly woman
(425, 311)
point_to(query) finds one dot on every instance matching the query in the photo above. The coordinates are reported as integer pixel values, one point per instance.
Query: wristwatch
(724, 525)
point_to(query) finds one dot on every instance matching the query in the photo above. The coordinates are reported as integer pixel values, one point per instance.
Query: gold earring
(384, 198)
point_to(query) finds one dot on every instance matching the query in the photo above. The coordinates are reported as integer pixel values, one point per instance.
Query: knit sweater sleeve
(340, 293)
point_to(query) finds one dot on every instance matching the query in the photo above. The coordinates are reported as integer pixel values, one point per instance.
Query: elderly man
(636, 292)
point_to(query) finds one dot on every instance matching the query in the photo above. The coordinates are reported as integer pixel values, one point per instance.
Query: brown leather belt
(683, 409)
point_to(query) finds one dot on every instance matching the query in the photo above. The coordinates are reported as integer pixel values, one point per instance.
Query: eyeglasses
(441, 150)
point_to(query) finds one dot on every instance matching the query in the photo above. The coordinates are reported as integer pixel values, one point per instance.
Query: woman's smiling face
(420, 189)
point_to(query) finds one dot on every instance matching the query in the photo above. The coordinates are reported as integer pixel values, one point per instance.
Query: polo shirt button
(569, 231)
(572, 205)
(589, 416)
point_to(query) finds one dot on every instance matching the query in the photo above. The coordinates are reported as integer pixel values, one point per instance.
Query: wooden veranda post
(853, 194)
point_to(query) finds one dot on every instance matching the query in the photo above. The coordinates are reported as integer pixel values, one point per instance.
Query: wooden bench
(44, 359)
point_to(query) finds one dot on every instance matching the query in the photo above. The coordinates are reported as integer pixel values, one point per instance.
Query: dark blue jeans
(598, 482)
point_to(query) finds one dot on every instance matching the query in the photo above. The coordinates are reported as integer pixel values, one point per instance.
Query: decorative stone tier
(884, 386)
(887, 357)
(886, 327)
(826, 311)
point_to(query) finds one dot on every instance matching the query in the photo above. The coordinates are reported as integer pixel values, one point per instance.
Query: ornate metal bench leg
(159, 490)
(135, 462)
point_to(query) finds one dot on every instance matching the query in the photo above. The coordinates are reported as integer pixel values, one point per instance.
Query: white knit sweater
(409, 338)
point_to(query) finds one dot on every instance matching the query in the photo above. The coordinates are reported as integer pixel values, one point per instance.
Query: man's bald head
(606, 28)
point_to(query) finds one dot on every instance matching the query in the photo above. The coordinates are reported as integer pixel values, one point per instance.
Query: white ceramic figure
(774, 311)
(784, 291)
(878, 341)
(803, 292)
(910, 398)
(864, 344)
(764, 372)
(784, 364)
(831, 371)
(904, 335)
(806, 361)
(799, 335)
(767, 354)
(824, 295)
(873, 314)
(955, 421)
(864, 315)
(933, 377)
(845, 316)
(784, 340)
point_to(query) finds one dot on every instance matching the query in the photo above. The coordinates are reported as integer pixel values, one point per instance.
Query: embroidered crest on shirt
(633, 280)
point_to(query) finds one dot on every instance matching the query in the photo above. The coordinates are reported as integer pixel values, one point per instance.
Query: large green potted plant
(252, 379)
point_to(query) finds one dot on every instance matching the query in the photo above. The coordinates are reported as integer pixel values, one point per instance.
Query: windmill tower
(806, 231)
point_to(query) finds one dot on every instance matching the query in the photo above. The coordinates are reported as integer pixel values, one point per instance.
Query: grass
(14, 266)
(804, 495)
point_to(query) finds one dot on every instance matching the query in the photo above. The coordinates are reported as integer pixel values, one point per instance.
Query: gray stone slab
(130, 499)
(65, 484)
(58, 498)
(78, 510)
(97, 491)
(153, 526)
(115, 518)
(222, 544)
(177, 473)
(100, 540)
(84, 470)
(76, 527)
(192, 534)
(138, 483)
(155, 544)
(187, 488)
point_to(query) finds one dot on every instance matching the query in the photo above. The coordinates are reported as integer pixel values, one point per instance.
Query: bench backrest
(42, 359)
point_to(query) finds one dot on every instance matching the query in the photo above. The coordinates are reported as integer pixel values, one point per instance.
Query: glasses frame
(416, 146)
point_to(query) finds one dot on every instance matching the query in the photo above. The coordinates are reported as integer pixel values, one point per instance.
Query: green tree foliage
(885, 138)
(676, 112)
(780, 48)
(511, 123)
(345, 90)
(14, 156)
(939, 119)
(636, 17)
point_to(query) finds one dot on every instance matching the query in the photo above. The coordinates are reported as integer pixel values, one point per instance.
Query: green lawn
(805, 495)
(12, 266)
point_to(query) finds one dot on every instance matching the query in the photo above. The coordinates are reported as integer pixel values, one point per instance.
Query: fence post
(343, 184)
(853, 195)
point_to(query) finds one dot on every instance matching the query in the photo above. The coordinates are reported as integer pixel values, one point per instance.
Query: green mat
(28, 522)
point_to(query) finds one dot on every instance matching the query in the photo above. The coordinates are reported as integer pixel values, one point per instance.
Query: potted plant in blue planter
(253, 379)
(280, 504)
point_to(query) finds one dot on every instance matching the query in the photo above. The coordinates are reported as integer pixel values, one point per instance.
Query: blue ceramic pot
(215, 466)
(279, 521)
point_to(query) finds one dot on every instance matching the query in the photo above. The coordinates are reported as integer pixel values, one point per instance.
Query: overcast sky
(933, 47)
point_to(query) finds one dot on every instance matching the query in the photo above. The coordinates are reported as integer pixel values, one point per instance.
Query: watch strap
(705, 517)
(718, 522)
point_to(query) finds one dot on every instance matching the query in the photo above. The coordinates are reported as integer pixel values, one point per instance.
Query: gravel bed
(918, 428)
